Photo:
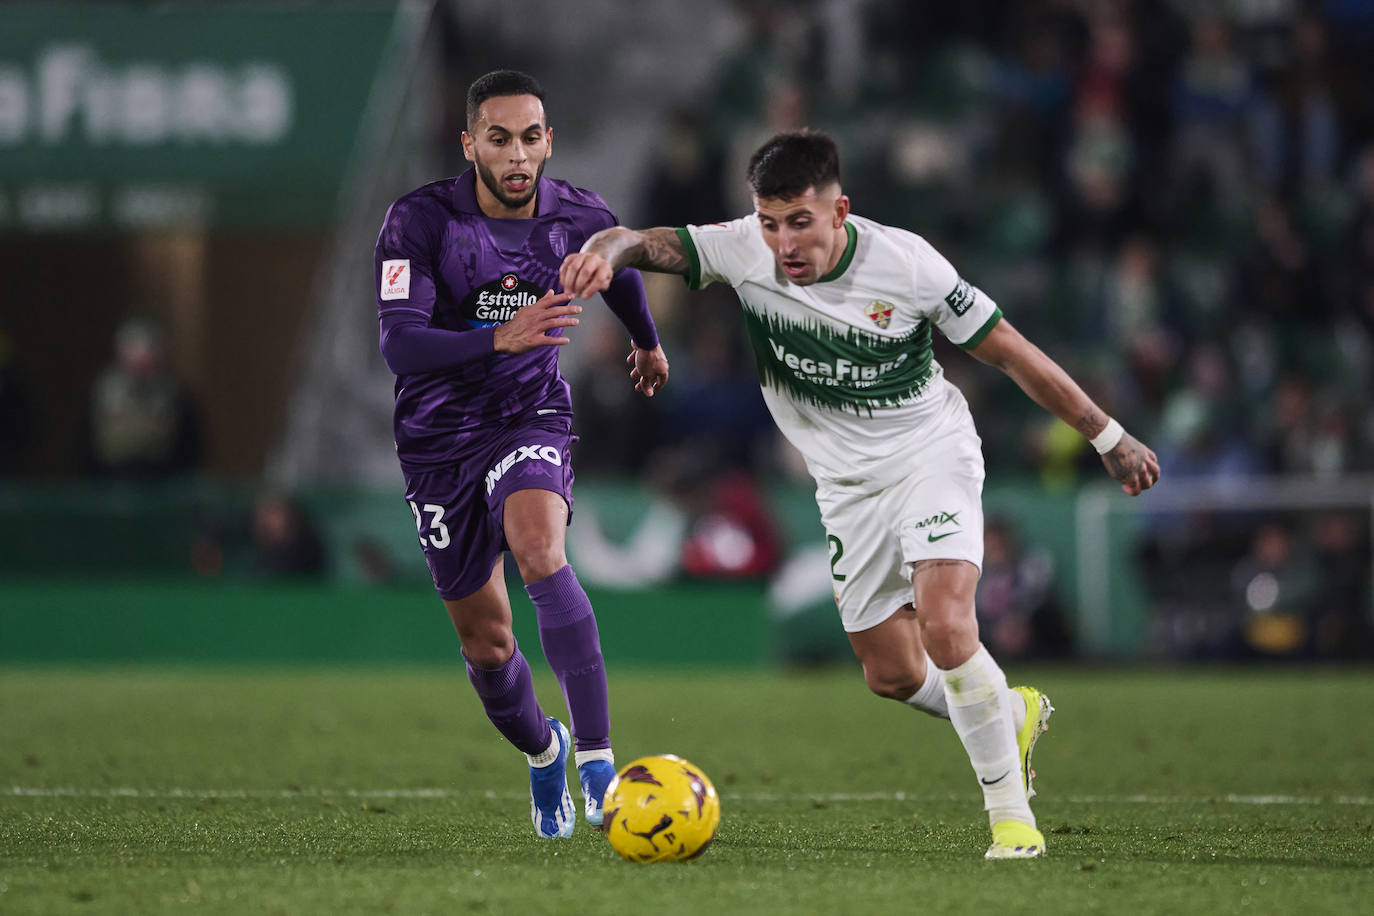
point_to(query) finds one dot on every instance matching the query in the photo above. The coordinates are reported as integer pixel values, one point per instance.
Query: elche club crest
(880, 312)
(497, 302)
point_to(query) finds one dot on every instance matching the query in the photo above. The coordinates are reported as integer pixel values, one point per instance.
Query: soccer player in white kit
(839, 310)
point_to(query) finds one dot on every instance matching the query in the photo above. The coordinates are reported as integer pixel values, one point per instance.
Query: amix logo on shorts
(497, 302)
(935, 521)
(522, 453)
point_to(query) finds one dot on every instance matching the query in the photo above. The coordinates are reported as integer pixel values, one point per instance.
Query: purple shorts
(458, 509)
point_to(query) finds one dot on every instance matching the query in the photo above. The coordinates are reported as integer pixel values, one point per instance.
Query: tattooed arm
(1130, 462)
(589, 271)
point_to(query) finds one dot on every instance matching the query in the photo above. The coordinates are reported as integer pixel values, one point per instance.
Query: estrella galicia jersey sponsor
(440, 257)
(846, 363)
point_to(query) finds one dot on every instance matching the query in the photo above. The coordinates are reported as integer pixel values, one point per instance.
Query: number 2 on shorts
(835, 554)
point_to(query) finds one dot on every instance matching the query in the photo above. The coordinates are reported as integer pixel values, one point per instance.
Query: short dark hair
(500, 82)
(790, 163)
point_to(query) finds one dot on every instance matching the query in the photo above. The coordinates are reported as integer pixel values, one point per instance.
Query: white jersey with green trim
(845, 363)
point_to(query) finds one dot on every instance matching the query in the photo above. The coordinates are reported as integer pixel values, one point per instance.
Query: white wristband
(1106, 440)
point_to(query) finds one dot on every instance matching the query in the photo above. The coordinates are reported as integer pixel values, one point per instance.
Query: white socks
(581, 757)
(550, 753)
(981, 710)
(931, 698)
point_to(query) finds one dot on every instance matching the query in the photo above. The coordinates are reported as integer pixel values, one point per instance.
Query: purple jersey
(444, 262)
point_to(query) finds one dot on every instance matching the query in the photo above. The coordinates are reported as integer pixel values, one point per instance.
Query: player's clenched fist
(1133, 464)
(585, 273)
(531, 324)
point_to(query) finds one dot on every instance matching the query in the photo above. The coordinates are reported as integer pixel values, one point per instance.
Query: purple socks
(507, 694)
(567, 631)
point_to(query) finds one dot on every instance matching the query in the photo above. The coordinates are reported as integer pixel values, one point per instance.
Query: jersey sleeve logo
(395, 280)
(960, 299)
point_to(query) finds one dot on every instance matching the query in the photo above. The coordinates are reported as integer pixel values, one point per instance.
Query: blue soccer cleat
(551, 805)
(595, 776)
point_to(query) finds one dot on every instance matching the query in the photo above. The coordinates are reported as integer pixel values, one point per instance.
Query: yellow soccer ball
(661, 809)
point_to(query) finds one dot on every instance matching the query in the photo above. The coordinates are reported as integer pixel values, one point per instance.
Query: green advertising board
(135, 115)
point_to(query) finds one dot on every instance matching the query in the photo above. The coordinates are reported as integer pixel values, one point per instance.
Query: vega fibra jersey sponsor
(846, 363)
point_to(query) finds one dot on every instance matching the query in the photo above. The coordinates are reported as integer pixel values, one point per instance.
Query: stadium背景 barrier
(119, 573)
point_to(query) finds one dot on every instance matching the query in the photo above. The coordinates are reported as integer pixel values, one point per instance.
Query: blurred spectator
(1361, 237)
(285, 541)
(732, 534)
(1099, 164)
(1134, 299)
(1302, 432)
(143, 423)
(773, 43)
(703, 523)
(1274, 585)
(1341, 625)
(1211, 98)
(1297, 137)
(713, 400)
(1201, 427)
(785, 107)
(1034, 88)
(1287, 430)
(617, 427)
(275, 538)
(1280, 282)
(1018, 613)
(686, 180)
(16, 410)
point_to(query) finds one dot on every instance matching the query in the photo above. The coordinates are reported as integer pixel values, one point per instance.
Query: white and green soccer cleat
(1037, 722)
(1015, 840)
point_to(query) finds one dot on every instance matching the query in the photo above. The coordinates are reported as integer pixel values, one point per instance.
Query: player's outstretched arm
(589, 271)
(531, 324)
(1127, 459)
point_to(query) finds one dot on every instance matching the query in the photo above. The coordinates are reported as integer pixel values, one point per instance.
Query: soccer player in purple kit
(466, 271)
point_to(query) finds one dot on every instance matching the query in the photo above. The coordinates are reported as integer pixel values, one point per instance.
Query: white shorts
(875, 535)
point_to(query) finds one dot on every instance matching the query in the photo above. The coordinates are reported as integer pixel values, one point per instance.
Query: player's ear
(467, 142)
(841, 209)
(548, 141)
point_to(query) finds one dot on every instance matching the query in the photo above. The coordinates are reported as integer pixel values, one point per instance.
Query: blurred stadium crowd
(1174, 199)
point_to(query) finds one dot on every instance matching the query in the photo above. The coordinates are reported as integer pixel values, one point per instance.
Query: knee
(892, 683)
(539, 556)
(487, 644)
(950, 638)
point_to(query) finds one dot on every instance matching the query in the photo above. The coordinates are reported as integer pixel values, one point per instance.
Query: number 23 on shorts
(438, 539)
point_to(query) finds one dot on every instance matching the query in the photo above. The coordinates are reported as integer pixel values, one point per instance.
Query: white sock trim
(581, 757)
(930, 698)
(549, 754)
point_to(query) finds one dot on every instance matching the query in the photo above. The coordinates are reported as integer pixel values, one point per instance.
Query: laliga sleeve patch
(395, 280)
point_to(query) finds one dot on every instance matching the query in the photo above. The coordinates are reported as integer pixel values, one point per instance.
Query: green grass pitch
(386, 791)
